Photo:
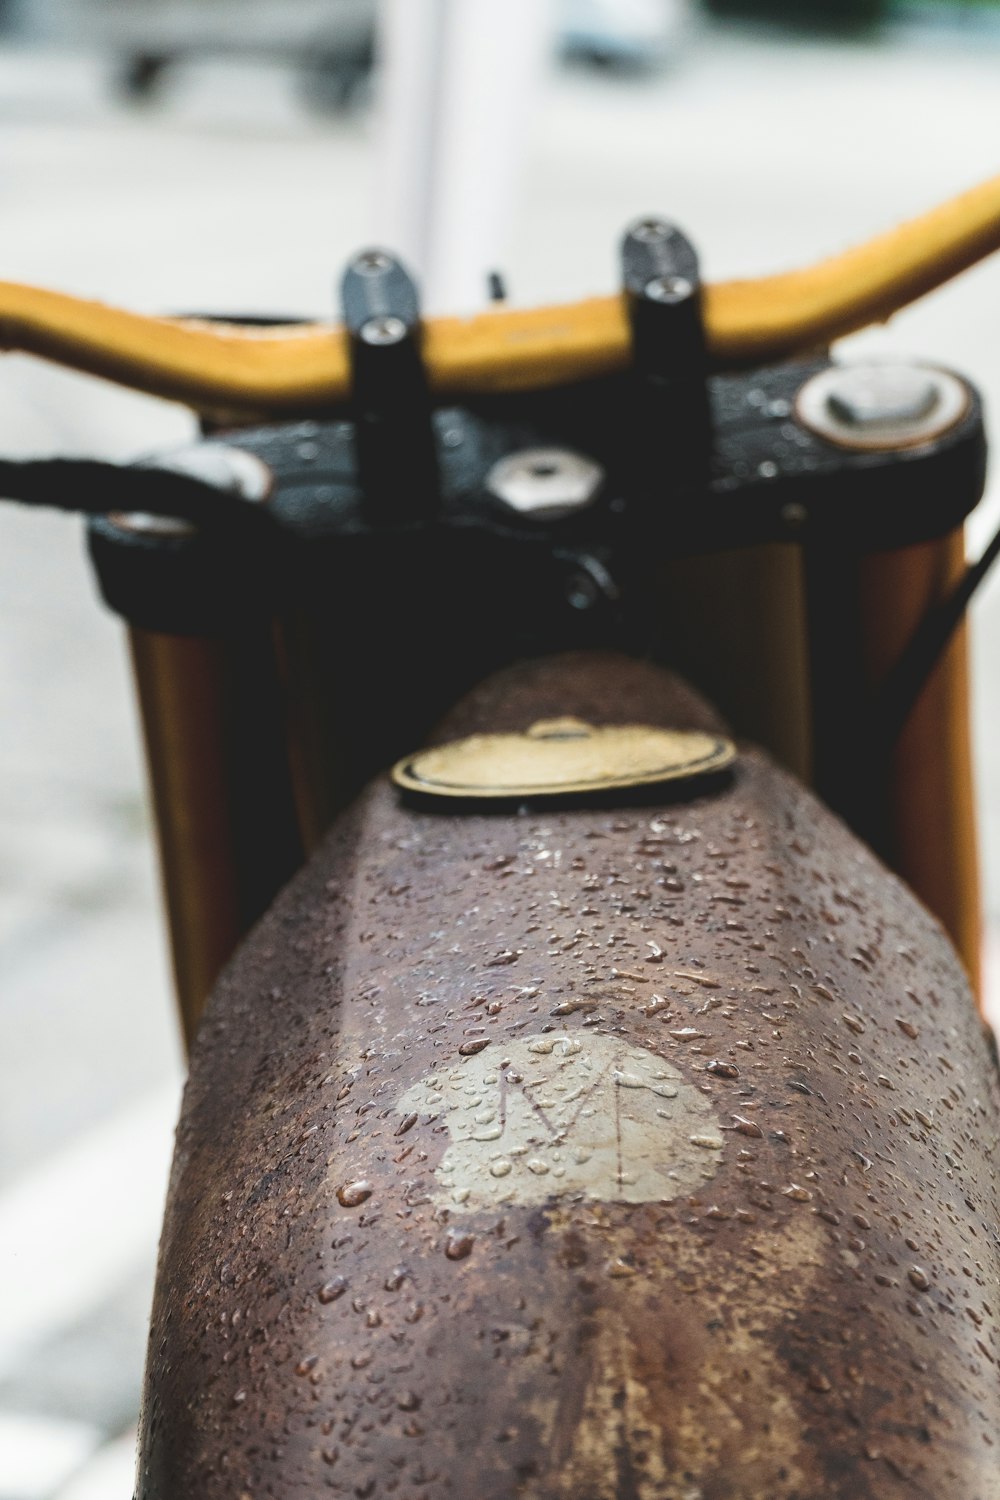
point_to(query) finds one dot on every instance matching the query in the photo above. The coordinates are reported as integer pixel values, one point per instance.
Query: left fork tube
(221, 791)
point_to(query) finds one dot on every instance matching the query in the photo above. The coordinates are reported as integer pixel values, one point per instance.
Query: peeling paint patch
(552, 1115)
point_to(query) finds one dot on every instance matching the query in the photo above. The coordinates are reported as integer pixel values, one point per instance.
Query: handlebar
(301, 367)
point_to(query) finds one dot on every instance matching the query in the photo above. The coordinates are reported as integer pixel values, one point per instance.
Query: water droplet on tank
(618, 1269)
(353, 1194)
(569, 1007)
(722, 1069)
(331, 1290)
(458, 1245)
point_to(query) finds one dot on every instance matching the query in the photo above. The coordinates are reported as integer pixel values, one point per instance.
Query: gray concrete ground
(226, 196)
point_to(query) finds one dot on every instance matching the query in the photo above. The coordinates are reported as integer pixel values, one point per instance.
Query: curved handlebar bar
(295, 368)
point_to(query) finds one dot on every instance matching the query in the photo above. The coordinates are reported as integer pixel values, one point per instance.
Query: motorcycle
(588, 1102)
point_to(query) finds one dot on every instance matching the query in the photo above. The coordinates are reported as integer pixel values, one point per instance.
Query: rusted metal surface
(636, 1153)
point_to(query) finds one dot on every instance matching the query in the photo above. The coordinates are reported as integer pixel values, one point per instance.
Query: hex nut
(545, 484)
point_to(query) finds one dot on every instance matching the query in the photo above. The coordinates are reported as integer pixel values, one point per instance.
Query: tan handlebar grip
(212, 366)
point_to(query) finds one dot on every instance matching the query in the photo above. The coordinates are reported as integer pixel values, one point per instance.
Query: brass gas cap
(557, 757)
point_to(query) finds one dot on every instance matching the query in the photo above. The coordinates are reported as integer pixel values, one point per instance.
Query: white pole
(410, 48)
(460, 84)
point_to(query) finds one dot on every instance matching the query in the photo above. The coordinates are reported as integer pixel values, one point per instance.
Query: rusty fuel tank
(615, 1152)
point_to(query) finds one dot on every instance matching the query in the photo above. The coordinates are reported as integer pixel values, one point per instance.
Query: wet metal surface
(89, 1024)
(598, 1152)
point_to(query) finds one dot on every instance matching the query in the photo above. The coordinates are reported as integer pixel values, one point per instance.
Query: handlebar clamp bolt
(379, 332)
(651, 231)
(669, 289)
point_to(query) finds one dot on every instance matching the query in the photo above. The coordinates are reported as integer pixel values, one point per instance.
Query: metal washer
(815, 411)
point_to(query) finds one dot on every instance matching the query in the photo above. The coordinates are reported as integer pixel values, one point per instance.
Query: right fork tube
(916, 806)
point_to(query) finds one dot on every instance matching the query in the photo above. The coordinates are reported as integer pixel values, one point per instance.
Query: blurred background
(228, 155)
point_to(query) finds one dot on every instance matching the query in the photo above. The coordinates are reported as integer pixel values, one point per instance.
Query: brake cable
(908, 677)
(95, 487)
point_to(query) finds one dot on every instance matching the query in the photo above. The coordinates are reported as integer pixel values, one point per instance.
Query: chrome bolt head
(869, 396)
(545, 484)
(650, 231)
(668, 289)
(370, 262)
(383, 330)
(881, 405)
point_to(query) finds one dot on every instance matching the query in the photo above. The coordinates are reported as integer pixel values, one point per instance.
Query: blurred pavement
(227, 197)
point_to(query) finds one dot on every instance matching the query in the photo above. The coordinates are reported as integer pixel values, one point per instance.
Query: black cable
(924, 650)
(92, 487)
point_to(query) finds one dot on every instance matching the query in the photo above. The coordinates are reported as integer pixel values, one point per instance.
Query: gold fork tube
(218, 769)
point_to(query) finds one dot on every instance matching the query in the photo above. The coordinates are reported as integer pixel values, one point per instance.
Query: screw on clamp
(394, 436)
(663, 296)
